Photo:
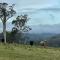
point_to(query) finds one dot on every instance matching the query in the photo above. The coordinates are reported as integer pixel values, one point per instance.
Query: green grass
(24, 52)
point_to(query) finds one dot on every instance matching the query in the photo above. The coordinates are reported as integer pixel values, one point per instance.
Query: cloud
(40, 11)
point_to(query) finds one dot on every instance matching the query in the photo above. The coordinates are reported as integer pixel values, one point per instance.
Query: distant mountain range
(38, 29)
(39, 37)
(46, 29)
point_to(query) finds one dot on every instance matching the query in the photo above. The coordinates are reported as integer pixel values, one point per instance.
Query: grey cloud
(34, 11)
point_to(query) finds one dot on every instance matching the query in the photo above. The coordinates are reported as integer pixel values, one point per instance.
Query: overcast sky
(40, 11)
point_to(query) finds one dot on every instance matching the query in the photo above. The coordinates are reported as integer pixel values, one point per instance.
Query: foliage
(6, 11)
(20, 23)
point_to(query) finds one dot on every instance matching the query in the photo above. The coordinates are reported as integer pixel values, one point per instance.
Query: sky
(40, 11)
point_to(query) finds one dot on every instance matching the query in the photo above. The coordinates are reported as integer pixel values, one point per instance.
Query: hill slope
(24, 52)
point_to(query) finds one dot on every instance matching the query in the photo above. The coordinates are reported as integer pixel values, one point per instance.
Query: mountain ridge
(37, 29)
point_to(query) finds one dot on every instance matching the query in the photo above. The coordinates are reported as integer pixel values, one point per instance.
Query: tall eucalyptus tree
(6, 12)
(20, 27)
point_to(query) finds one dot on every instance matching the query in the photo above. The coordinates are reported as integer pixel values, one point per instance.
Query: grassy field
(24, 52)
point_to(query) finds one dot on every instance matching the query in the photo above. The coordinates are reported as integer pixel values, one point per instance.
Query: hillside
(24, 52)
(54, 40)
(39, 37)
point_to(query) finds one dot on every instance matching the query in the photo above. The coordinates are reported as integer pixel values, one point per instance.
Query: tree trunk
(4, 24)
(4, 31)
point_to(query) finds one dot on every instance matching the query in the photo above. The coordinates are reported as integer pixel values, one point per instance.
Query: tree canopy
(20, 23)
